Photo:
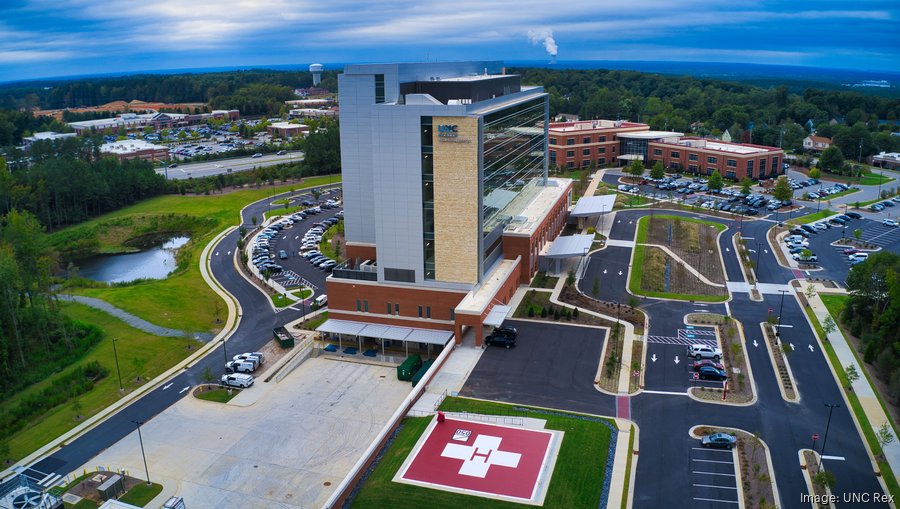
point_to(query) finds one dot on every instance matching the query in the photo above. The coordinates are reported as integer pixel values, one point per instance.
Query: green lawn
(315, 322)
(183, 300)
(834, 303)
(868, 179)
(141, 494)
(138, 352)
(869, 433)
(217, 395)
(576, 481)
(327, 248)
(812, 218)
(838, 195)
(282, 301)
(873, 179)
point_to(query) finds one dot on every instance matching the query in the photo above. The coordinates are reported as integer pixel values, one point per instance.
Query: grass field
(282, 301)
(812, 218)
(868, 179)
(576, 482)
(868, 432)
(141, 494)
(535, 301)
(183, 300)
(139, 354)
(217, 395)
(834, 303)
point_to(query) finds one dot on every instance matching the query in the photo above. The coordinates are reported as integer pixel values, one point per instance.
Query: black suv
(507, 330)
(500, 339)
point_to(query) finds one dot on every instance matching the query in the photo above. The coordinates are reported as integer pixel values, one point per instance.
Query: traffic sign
(771, 310)
(815, 436)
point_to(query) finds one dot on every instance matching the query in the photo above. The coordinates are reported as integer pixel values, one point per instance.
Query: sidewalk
(864, 391)
(451, 377)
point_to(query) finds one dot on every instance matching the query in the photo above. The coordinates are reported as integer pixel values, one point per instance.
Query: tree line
(768, 116)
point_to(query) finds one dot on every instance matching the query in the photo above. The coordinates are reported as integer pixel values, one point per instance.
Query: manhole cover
(327, 483)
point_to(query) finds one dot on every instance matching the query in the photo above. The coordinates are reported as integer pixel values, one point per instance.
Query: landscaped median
(741, 388)
(583, 463)
(678, 258)
(812, 218)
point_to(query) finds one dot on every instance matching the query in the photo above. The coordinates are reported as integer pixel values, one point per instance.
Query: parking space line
(710, 450)
(716, 500)
(712, 473)
(714, 461)
(666, 393)
(714, 486)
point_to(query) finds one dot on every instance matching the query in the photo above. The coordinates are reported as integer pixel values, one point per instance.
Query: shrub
(530, 312)
(543, 312)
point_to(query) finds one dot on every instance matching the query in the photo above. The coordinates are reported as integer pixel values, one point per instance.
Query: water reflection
(154, 263)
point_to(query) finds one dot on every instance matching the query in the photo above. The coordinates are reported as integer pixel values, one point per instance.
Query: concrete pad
(295, 436)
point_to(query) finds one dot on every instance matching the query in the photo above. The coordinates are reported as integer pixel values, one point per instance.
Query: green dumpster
(409, 367)
(421, 373)
(285, 339)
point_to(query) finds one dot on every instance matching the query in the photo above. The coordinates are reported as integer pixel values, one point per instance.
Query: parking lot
(833, 261)
(712, 476)
(668, 367)
(549, 364)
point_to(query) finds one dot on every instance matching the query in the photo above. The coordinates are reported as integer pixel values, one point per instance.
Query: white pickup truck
(237, 380)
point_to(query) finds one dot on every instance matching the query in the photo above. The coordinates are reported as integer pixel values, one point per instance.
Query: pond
(155, 262)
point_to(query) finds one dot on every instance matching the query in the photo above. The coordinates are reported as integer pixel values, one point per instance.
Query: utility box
(409, 367)
(285, 339)
(421, 372)
(113, 487)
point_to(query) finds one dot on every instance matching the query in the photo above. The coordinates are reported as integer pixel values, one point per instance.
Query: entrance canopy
(496, 316)
(593, 205)
(570, 246)
(380, 331)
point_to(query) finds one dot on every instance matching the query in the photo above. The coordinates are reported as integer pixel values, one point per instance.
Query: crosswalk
(686, 337)
(43, 479)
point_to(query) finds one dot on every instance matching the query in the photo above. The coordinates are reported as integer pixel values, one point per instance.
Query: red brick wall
(343, 294)
(720, 165)
(359, 251)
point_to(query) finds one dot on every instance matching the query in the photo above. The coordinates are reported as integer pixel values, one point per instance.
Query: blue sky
(46, 38)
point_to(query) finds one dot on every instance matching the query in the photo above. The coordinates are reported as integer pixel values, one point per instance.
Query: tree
(636, 169)
(832, 159)
(253, 219)
(857, 233)
(885, 434)
(746, 185)
(658, 171)
(829, 326)
(208, 375)
(815, 173)
(782, 190)
(825, 479)
(810, 289)
(715, 182)
(316, 192)
(852, 375)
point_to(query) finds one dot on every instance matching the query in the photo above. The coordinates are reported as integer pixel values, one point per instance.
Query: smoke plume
(544, 36)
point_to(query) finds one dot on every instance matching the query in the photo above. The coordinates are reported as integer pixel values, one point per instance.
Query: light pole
(756, 266)
(618, 333)
(116, 355)
(141, 439)
(224, 351)
(780, 309)
(831, 408)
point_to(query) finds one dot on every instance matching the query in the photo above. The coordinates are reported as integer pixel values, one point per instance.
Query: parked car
(890, 222)
(240, 367)
(282, 254)
(854, 215)
(699, 351)
(849, 252)
(258, 357)
(858, 257)
(706, 362)
(795, 250)
(820, 226)
(237, 380)
(809, 229)
(509, 330)
(256, 155)
(719, 440)
(812, 258)
(500, 340)
(711, 373)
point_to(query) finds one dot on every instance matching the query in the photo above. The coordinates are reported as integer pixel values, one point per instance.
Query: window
(366, 306)
(428, 191)
(403, 275)
(711, 160)
(750, 172)
(428, 312)
(730, 174)
(585, 163)
(553, 141)
(709, 171)
(570, 164)
(452, 314)
(388, 308)
(775, 164)
(603, 138)
(762, 165)
(358, 305)
(602, 160)
(585, 151)
(601, 150)
(552, 158)
(379, 88)
(731, 163)
(692, 157)
(749, 167)
(397, 308)
(420, 311)
(657, 152)
(586, 139)
(570, 141)
(570, 153)
(692, 168)
(675, 155)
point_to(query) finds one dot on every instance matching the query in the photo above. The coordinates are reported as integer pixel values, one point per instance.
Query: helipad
(464, 456)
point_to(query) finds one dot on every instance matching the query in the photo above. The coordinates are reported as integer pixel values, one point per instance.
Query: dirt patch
(612, 363)
(681, 280)
(756, 479)
(626, 313)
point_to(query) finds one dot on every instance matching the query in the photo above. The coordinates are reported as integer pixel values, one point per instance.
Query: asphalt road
(664, 473)
(253, 331)
(207, 168)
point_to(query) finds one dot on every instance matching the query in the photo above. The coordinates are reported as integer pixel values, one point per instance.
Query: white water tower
(316, 70)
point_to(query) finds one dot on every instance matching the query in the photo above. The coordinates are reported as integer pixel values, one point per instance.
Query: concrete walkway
(451, 377)
(764, 288)
(135, 321)
(863, 389)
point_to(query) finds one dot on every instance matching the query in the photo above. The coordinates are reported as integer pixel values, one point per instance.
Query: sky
(52, 38)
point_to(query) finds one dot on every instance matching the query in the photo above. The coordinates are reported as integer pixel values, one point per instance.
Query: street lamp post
(116, 355)
(756, 266)
(141, 439)
(780, 310)
(618, 333)
(224, 351)
(831, 408)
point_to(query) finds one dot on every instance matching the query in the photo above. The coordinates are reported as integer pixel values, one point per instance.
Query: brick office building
(447, 203)
(703, 156)
(578, 144)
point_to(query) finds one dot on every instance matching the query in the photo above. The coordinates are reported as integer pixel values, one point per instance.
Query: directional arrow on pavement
(619, 221)
(182, 390)
(217, 253)
(766, 251)
(620, 272)
(676, 360)
(792, 346)
(604, 271)
(755, 343)
(752, 250)
(653, 358)
(630, 222)
(167, 386)
(727, 250)
(811, 348)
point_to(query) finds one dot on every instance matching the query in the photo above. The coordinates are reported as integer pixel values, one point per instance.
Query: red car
(706, 362)
(850, 251)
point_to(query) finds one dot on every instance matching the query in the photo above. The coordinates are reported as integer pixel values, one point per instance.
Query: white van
(321, 300)
(858, 257)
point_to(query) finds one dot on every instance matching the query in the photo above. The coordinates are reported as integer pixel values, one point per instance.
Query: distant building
(889, 160)
(135, 149)
(312, 92)
(132, 121)
(287, 129)
(816, 143)
(314, 113)
(578, 144)
(702, 156)
(566, 117)
(46, 135)
(310, 103)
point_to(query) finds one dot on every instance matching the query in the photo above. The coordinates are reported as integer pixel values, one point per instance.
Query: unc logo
(447, 128)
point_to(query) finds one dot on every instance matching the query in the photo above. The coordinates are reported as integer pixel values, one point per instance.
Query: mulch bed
(756, 480)
(740, 390)
(780, 361)
(626, 313)
(695, 243)
(681, 280)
